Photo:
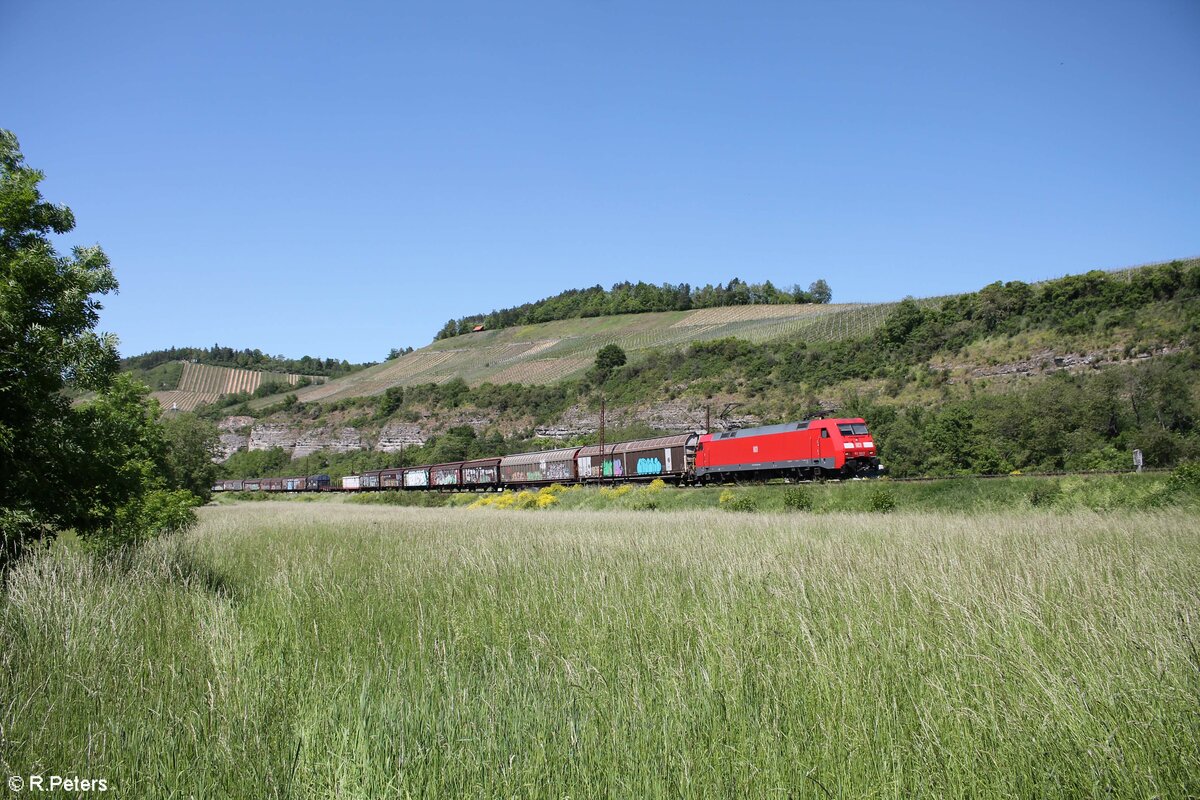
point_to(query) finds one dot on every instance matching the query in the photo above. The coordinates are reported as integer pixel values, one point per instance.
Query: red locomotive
(806, 450)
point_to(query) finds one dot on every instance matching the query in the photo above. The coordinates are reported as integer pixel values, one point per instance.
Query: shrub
(645, 501)
(797, 499)
(731, 501)
(882, 500)
(158, 512)
(1185, 477)
(1044, 494)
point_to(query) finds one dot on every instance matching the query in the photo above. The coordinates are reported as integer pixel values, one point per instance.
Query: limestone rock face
(230, 443)
(677, 416)
(399, 435)
(269, 435)
(339, 440)
(234, 435)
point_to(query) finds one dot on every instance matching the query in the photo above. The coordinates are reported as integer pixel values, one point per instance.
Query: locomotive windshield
(853, 429)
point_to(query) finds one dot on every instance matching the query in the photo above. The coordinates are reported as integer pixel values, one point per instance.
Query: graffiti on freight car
(479, 475)
(649, 466)
(416, 477)
(545, 471)
(613, 468)
(445, 477)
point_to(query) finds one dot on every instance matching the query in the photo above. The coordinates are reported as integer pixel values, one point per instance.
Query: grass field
(334, 650)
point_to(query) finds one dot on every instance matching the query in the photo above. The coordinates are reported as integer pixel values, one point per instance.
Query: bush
(1044, 494)
(797, 499)
(882, 500)
(644, 502)
(156, 513)
(1185, 477)
(731, 501)
(546, 497)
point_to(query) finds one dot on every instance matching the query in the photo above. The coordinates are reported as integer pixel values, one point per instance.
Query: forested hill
(218, 356)
(637, 298)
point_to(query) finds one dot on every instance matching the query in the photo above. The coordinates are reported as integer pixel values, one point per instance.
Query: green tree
(121, 492)
(60, 467)
(610, 357)
(48, 310)
(819, 291)
(191, 445)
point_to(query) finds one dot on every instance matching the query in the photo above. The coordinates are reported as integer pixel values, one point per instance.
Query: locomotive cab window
(855, 429)
(824, 433)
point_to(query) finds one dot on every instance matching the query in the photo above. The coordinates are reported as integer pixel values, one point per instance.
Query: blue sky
(340, 179)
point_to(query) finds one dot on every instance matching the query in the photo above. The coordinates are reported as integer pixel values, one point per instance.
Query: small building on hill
(477, 329)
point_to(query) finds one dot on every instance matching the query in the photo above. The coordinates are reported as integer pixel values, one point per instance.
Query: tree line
(219, 356)
(637, 298)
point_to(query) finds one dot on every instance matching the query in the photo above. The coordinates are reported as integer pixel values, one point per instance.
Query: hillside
(553, 351)
(637, 298)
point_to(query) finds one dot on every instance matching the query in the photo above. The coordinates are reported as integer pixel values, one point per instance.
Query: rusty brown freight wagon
(416, 478)
(667, 457)
(369, 480)
(547, 466)
(483, 473)
(446, 475)
(391, 478)
(593, 465)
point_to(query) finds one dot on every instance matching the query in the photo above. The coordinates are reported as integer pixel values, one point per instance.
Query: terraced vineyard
(176, 400)
(550, 352)
(202, 383)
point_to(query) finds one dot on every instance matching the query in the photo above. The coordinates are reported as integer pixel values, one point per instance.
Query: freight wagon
(483, 473)
(445, 476)
(666, 457)
(548, 466)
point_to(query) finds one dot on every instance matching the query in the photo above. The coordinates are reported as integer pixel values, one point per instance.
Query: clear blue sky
(339, 179)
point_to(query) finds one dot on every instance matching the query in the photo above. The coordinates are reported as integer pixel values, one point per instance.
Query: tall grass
(313, 650)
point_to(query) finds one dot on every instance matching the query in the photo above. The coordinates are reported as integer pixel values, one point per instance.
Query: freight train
(808, 450)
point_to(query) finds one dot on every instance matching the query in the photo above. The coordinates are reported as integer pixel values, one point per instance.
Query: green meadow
(315, 650)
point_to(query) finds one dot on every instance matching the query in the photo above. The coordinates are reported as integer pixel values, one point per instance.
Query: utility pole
(601, 439)
(708, 418)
